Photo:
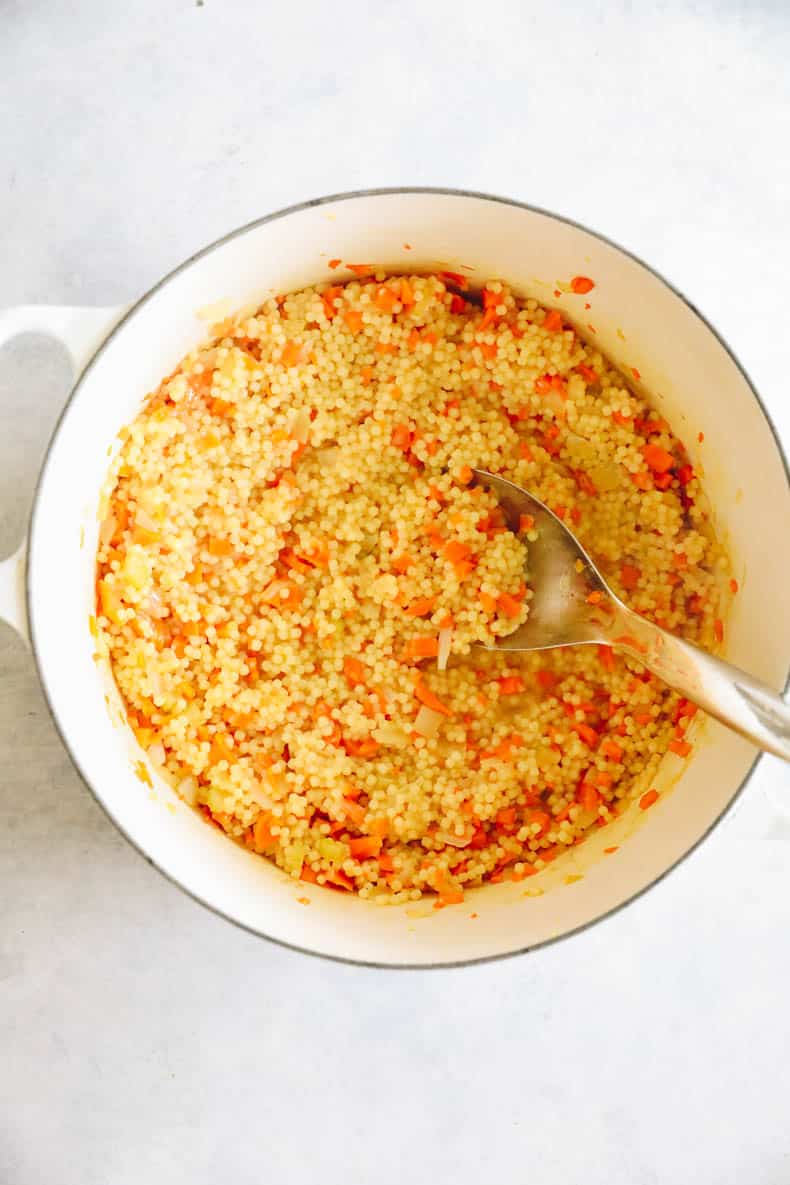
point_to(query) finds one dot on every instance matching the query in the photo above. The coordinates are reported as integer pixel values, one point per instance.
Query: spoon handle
(739, 701)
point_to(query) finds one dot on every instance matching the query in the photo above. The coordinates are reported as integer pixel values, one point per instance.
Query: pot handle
(81, 331)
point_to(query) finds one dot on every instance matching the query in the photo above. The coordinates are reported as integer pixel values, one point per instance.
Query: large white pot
(639, 320)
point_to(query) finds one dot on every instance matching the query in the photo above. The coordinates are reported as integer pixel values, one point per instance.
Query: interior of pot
(634, 317)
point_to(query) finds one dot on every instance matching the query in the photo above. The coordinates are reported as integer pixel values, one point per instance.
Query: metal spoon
(563, 577)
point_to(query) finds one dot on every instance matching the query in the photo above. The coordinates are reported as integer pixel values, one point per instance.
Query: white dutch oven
(638, 319)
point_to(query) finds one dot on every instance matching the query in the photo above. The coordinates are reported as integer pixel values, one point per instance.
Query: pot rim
(310, 203)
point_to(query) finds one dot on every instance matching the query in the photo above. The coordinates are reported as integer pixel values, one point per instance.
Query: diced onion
(187, 789)
(427, 721)
(144, 520)
(456, 841)
(107, 529)
(156, 753)
(445, 642)
(390, 734)
(329, 457)
(300, 428)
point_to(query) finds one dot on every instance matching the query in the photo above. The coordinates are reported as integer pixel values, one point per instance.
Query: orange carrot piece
(402, 563)
(648, 799)
(353, 319)
(511, 685)
(465, 475)
(657, 458)
(487, 601)
(365, 847)
(682, 748)
(509, 605)
(333, 263)
(427, 697)
(401, 437)
(587, 373)
(630, 576)
(581, 285)
(718, 630)
(552, 321)
(360, 269)
(606, 655)
(422, 647)
(455, 551)
(421, 607)
(612, 750)
(353, 670)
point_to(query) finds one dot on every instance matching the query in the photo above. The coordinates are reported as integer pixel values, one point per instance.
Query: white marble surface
(144, 1040)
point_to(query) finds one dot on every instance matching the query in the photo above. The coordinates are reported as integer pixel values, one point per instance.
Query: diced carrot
(525, 452)
(379, 827)
(487, 601)
(643, 717)
(581, 285)
(509, 605)
(353, 319)
(413, 340)
(595, 597)
(402, 437)
(143, 536)
(427, 697)
(587, 373)
(552, 321)
(386, 299)
(220, 547)
(455, 551)
(422, 647)
(682, 748)
(734, 586)
(585, 733)
(540, 817)
(630, 576)
(386, 863)
(635, 373)
(402, 563)
(588, 797)
(548, 680)
(457, 304)
(525, 523)
(353, 670)
(292, 354)
(222, 408)
(648, 799)
(619, 418)
(406, 292)
(261, 832)
(220, 750)
(718, 630)
(606, 655)
(365, 847)
(386, 348)
(642, 481)
(511, 685)
(657, 458)
(463, 568)
(328, 296)
(465, 475)
(506, 817)
(421, 607)
(685, 474)
(612, 750)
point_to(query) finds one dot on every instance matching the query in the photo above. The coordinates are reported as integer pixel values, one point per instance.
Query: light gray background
(142, 1040)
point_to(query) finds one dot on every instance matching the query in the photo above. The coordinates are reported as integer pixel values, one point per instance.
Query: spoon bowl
(573, 605)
